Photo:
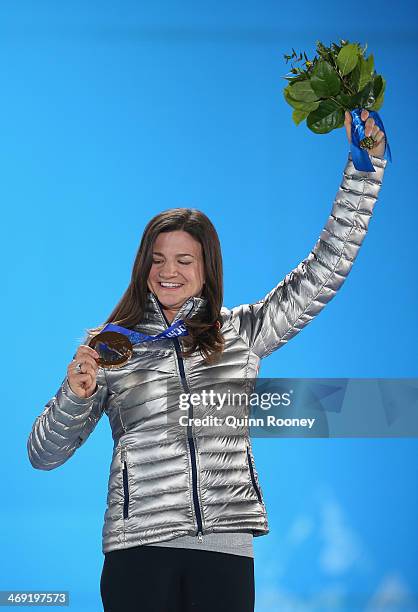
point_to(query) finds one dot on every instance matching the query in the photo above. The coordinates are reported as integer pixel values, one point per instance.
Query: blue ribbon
(360, 157)
(175, 330)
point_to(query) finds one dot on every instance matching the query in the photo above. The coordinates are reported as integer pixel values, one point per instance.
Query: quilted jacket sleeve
(269, 323)
(65, 423)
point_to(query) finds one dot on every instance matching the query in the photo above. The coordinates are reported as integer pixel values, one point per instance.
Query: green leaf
(378, 103)
(297, 104)
(369, 62)
(302, 91)
(377, 85)
(299, 115)
(379, 100)
(324, 80)
(347, 58)
(362, 73)
(364, 98)
(326, 117)
(348, 102)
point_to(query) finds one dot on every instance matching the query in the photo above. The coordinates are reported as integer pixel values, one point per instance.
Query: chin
(168, 300)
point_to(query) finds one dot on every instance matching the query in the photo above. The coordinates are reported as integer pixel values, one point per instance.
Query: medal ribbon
(361, 158)
(175, 330)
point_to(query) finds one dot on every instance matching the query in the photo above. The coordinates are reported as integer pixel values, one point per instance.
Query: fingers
(364, 114)
(83, 348)
(380, 139)
(377, 134)
(85, 354)
(84, 380)
(86, 373)
(370, 128)
(86, 365)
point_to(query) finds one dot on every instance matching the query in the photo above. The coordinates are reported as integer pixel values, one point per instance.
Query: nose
(168, 270)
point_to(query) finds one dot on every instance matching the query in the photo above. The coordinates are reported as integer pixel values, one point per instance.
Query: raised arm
(65, 424)
(268, 324)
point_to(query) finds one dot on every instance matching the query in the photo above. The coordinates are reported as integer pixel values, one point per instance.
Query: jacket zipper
(250, 465)
(192, 447)
(190, 438)
(125, 483)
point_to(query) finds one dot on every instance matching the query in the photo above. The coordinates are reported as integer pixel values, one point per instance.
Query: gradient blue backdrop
(112, 112)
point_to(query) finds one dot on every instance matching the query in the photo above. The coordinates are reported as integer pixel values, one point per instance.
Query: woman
(184, 502)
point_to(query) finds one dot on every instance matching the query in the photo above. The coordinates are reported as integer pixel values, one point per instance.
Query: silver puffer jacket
(168, 480)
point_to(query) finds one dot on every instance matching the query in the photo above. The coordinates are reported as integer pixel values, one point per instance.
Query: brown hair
(204, 328)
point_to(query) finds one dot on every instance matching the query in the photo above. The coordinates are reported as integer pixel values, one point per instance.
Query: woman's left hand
(370, 129)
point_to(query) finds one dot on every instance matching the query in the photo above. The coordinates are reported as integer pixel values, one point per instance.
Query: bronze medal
(114, 349)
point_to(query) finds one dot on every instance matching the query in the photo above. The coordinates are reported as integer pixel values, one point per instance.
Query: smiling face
(177, 272)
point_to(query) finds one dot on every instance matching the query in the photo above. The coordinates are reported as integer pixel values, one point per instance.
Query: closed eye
(184, 263)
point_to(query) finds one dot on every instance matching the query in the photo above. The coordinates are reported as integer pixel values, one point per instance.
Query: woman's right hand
(83, 383)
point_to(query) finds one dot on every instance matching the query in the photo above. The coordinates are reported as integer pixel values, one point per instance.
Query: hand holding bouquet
(371, 130)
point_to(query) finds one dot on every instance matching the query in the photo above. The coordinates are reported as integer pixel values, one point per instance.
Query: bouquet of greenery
(339, 78)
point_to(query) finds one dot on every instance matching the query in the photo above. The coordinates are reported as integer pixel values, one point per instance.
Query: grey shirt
(232, 542)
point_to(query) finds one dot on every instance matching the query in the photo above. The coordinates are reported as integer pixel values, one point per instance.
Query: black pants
(160, 579)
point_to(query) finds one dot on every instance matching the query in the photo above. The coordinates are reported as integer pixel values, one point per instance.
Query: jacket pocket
(123, 454)
(254, 483)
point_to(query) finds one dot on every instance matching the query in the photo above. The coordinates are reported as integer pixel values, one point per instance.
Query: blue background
(112, 112)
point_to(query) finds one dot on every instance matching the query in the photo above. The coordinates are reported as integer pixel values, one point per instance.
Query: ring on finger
(77, 368)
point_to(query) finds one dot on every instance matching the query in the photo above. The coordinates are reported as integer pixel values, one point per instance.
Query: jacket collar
(154, 313)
